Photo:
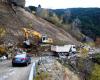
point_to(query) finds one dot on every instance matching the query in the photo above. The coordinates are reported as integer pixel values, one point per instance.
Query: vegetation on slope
(57, 20)
(76, 21)
(89, 19)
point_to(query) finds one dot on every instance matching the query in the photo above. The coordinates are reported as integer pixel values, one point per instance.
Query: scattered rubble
(51, 69)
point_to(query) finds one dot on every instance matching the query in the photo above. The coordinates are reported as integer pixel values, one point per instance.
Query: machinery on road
(35, 42)
(63, 50)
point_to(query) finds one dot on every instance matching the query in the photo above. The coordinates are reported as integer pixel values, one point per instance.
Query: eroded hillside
(14, 18)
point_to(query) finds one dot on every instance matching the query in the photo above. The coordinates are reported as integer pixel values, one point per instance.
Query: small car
(21, 59)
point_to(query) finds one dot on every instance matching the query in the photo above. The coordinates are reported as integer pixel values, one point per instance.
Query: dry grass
(42, 76)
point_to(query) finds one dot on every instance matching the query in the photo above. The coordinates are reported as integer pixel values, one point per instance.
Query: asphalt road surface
(7, 72)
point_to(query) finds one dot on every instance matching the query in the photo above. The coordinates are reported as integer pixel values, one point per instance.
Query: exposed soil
(13, 19)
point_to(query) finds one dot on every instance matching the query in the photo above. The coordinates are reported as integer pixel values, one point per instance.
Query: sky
(58, 4)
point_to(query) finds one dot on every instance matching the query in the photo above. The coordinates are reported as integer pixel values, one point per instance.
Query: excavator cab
(46, 40)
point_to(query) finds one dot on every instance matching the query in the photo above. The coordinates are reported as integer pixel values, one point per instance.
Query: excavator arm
(28, 32)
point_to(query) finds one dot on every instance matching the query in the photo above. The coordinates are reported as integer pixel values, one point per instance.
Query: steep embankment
(14, 18)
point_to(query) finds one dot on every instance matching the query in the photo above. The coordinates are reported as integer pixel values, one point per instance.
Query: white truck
(65, 50)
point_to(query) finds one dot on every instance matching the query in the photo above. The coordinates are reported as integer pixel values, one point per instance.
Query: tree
(38, 10)
(76, 23)
(67, 17)
(53, 18)
(32, 8)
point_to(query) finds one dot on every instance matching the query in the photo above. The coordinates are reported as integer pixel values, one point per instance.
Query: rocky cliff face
(20, 3)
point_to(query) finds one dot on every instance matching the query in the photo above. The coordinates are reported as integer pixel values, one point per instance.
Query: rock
(20, 3)
(3, 1)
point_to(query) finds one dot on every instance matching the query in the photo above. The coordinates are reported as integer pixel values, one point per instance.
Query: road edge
(32, 71)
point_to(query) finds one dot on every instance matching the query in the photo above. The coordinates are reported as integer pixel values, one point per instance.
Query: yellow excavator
(37, 37)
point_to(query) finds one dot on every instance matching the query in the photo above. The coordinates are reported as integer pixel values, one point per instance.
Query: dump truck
(65, 49)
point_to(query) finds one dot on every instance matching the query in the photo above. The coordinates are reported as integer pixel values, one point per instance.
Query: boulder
(20, 3)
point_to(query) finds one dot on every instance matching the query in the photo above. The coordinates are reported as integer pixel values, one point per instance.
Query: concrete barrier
(33, 71)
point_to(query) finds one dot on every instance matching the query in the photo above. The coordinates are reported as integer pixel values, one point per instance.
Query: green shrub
(41, 76)
(96, 58)
(95, 74)
(2, 31)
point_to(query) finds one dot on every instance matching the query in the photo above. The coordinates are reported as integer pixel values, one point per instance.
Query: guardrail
(33, 71)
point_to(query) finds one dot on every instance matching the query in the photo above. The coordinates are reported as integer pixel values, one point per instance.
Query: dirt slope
(14, 18)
